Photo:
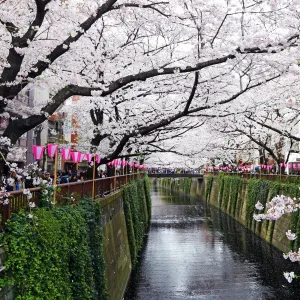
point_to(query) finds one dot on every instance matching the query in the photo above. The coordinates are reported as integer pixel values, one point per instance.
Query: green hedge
(56, 253)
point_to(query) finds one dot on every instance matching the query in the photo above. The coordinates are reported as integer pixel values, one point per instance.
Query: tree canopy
(147, 71)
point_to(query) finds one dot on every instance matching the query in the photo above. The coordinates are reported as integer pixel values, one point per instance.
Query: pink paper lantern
(76, 157)
(52, 149)
(80, 157)
(98, 159)
(38, 151)
(65, 153)
(89, 157)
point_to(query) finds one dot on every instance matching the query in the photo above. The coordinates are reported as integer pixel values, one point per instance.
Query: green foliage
(229, 188)
(274, 189)
(46, 195)
(92, 213)
(293, 180)
(177, 185)
(56, 253)
(129, 225)
(186, 185)
(258, 190)
(209, 183)
(135, 210)
(165, 182)
(226, 192)
(290, 189)
(221, 177)
(148, 196)
(236, 184)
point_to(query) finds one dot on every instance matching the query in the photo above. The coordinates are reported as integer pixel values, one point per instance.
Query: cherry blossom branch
(281, 132)
(14, 58)
(152, 6)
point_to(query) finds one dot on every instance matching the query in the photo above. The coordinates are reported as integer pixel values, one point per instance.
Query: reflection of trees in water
(267, 262)
(177, 198)
(252, 249)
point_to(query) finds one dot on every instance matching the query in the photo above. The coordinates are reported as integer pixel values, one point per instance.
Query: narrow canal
(194, 251)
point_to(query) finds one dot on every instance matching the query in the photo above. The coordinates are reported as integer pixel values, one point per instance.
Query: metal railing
(76, 190)
(271, 177)
(175, 175)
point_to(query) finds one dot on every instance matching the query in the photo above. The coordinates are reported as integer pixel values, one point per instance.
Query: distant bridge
(175, 175)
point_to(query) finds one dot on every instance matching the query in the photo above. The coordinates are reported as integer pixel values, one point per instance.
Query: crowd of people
(159, 170)
(13, 182)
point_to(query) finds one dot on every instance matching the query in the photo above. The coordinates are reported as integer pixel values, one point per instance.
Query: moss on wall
(137, 203)
(237, 197)
(182, 185)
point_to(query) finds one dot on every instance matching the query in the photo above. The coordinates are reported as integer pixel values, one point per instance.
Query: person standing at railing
(10, 182)
(18, 184)
(64, 179)
(101, 174)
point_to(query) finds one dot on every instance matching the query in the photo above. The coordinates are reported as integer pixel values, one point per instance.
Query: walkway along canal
(194, 251)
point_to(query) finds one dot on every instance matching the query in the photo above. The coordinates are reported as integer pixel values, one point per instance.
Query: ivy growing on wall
(257, 191)
(226, 192)
(56, 253)
(229, 188)
(148, 196)
(129, 225)
(236, 184)
(135, 210)
(209, 183)
(186, 185)
(177, 184)
(221, 188)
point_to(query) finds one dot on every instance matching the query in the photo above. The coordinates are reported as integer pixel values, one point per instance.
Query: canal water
(194, 251)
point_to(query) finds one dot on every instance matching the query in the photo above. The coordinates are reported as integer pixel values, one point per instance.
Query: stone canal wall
(115, 245)
(237, 197)
(123, 233)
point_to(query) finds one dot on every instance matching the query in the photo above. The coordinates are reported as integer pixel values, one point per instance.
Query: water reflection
(195, 252)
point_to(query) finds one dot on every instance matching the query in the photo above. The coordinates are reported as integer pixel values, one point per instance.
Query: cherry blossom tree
(167, 60)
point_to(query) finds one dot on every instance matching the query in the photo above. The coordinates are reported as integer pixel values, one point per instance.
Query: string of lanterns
(78, 157)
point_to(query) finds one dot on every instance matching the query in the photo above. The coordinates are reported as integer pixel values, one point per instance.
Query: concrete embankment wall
(237, 197)
(115, 244)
